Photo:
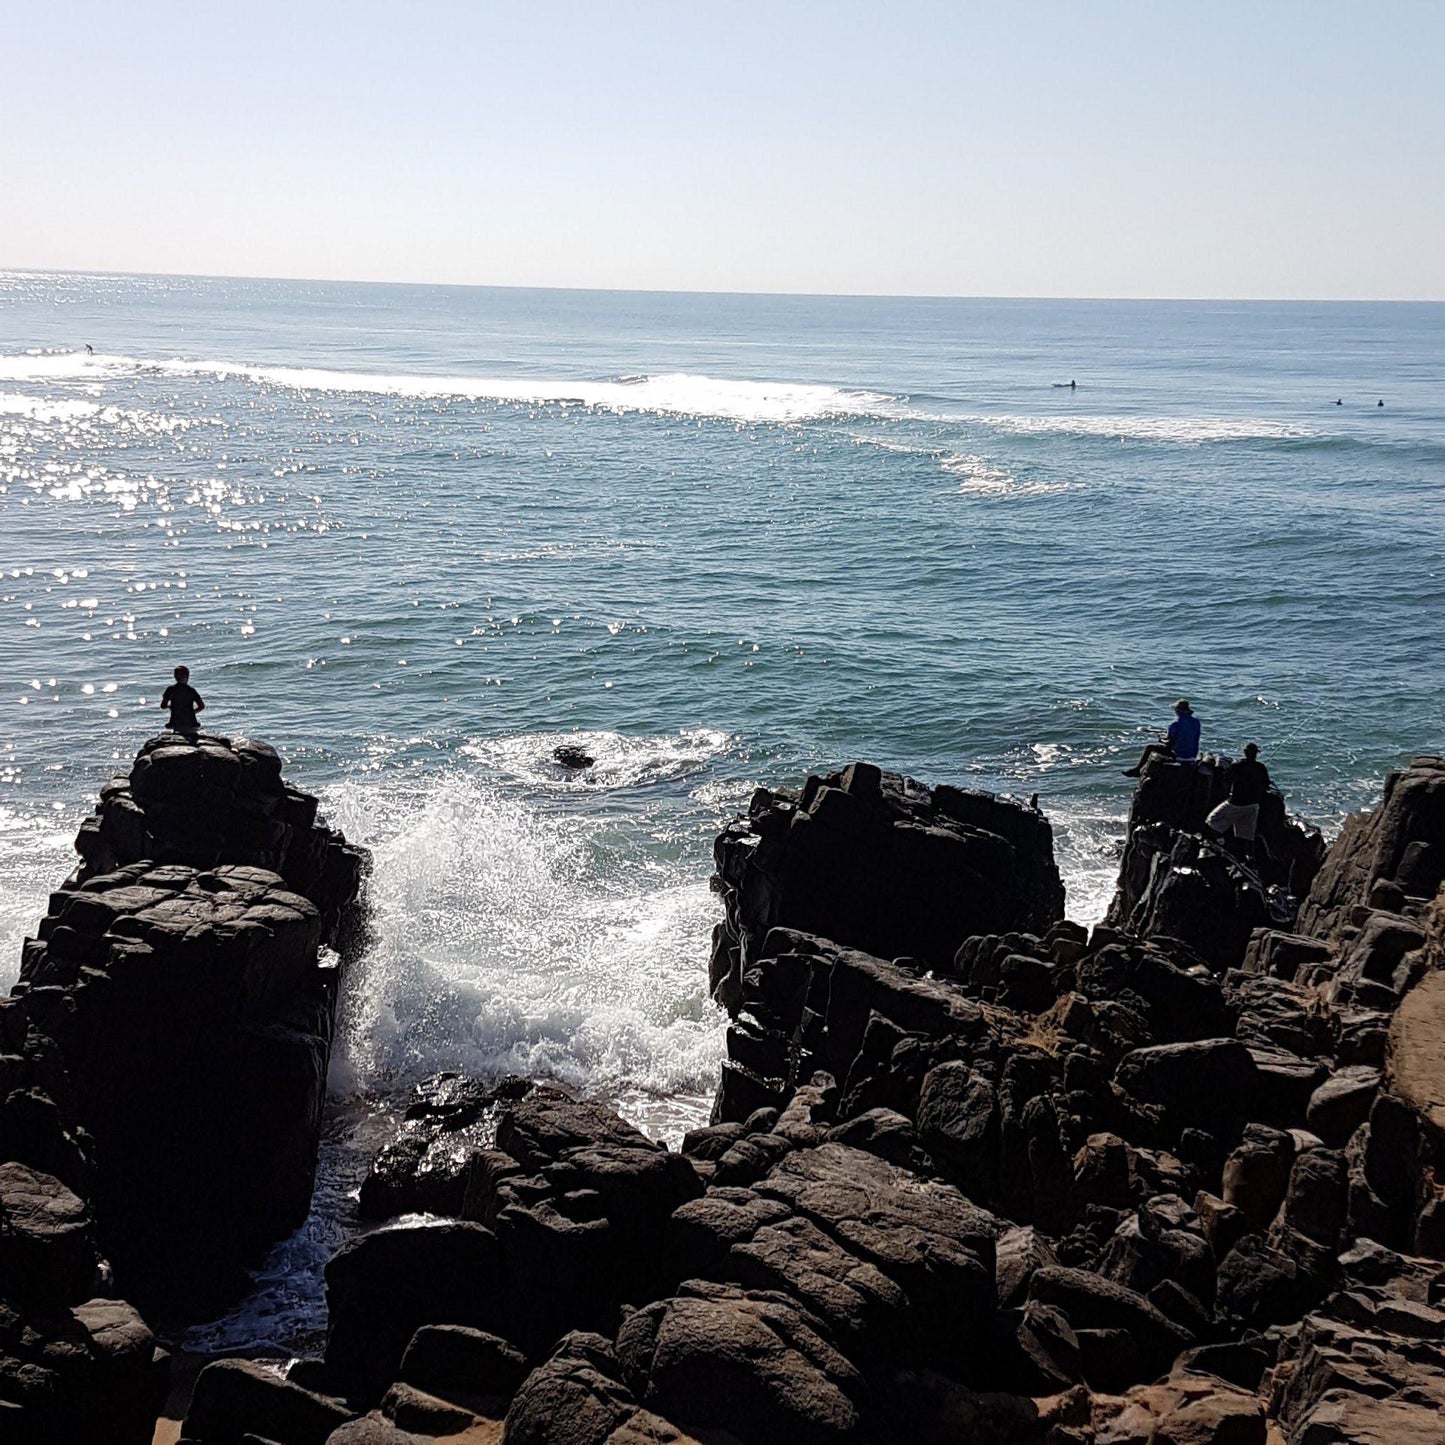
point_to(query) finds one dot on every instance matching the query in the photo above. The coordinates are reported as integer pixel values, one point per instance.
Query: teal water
(416, 536)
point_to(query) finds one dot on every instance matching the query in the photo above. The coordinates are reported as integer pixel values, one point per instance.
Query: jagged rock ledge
(163, 1064)
(977, 1175)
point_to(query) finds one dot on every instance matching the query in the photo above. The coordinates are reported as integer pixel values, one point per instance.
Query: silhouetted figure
(1340, 402)
(1381, 402)
(184, 702)
(1248, 783)
(1181, 742)
(89, 349)
(1073, 386)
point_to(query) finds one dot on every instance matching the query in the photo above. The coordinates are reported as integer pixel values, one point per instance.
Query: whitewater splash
(514, 936)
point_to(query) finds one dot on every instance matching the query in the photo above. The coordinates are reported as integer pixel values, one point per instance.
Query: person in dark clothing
(1181, 742)
(184, 703)
(1248, 783)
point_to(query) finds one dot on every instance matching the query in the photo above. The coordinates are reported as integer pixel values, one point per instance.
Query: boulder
(92, 1372)
(234, 1399)
(457, 1360)
(48, 1257)
(1402, 841)
(1089, 1301)
(879, 863)
(382, 1287)
(753, 1363)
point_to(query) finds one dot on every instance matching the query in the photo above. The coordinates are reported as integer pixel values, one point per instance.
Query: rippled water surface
(416, 537)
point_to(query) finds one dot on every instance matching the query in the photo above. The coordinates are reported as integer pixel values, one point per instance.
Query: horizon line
(681, 291)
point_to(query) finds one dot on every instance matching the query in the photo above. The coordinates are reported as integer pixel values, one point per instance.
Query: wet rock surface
(162, 1072)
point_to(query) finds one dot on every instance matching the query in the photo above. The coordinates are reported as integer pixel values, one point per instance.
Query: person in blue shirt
(1180, 743)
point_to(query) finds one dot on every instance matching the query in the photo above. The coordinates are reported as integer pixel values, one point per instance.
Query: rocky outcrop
(163, 1062)
(202, 800)
(1391, 859)
(877, 862)
(1032, 1185)
(1178, 880)
(193, 1012)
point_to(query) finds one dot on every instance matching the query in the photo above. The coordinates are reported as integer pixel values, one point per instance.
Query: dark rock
(1091, 1302)
(1177, 881)
(1047, 1341)
(890, 1135)
(1110, 1359)
(576, 1398)
(48, 1257)
(926, 1237)
(1020, 1253)
(1375, 846)
(1316, 1201)
(1187, 1409)
(569, 756)
(412, 1409)
(382, 1287)
(372, 1429)
(959, 1125)
(1240, 1362)
(752, 1363)
(876, 862)
(1282, 955)
(1259, 1285)
(1209, 1083)
(93, 1372)
(1342, 1103)
(1257, 1173)
(453, 1359)
(234, 1398)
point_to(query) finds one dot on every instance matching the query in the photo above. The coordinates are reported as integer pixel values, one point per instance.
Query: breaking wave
(669, 393)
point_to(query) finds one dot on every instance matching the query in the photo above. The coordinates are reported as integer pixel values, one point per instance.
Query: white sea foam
(1182, 430)
(511, 937)
(979, 477)
(620, 761)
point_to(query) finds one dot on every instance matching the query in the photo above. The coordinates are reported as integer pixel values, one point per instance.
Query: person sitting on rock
(184, 702)
(1248, 781)
(1181, 742)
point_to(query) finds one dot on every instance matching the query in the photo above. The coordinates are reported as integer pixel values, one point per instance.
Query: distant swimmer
(1341, 402)
(1380, 402)
(1073, 386)
(184, 703)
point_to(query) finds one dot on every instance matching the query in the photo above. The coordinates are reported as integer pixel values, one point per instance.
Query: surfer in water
(89, 349)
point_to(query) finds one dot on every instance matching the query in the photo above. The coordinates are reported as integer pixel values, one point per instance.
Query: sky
(1276, 148)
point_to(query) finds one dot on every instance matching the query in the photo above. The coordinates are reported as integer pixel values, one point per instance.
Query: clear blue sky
(1277, 148)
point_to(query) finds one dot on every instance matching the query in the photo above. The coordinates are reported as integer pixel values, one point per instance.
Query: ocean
(416, 537)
